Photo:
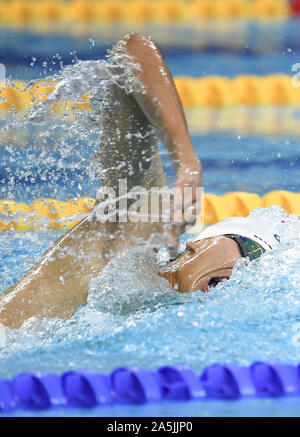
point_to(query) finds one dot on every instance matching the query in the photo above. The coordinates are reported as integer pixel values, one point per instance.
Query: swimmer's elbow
(135, 41)
(134, 38)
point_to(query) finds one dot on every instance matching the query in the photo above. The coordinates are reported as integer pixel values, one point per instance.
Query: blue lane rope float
(133, 385)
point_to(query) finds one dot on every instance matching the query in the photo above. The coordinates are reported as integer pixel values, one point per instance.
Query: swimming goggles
(247, 247)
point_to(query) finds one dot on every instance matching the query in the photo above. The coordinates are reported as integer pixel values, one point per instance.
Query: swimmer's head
(203, 264)
(208, 257)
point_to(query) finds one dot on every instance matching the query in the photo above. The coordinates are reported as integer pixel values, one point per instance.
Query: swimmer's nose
(191, 245)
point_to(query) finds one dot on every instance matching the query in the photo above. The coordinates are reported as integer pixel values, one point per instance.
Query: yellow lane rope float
(59, 215)
(208, 91)
(20, 12)
(242, 121)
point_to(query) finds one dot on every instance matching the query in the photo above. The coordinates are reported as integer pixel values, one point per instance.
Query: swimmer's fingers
(171, 238)
(191, 213)
(185, 214)
(175, 228)
(188, 192)
(172, 234)
(185, 205)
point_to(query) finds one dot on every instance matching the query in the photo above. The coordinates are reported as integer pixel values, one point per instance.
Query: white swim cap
(245, 227)
(233, 227)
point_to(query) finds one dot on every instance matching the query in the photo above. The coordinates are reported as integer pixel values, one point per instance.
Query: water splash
(134, 318)
(55, 144)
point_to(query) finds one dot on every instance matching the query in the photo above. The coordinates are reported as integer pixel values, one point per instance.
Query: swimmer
(133, 122)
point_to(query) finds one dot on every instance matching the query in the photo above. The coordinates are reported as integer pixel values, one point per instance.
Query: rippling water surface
(132, 316)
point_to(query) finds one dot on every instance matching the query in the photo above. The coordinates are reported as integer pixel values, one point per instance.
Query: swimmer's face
(202, 265)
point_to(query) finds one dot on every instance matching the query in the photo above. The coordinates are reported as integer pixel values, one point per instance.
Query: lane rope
(209, 91)
(43, 214)
(27, 12)
(134, 385)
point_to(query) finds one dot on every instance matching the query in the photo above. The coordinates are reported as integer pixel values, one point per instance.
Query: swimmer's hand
(184, 208)
(162, 105)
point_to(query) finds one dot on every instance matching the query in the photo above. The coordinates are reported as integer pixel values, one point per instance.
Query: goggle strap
(247, 247)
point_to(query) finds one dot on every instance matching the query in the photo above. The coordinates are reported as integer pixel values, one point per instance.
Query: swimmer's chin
(171, 277)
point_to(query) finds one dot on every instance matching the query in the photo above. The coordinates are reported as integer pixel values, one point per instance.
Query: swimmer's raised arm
(161, 104)
(59, 282)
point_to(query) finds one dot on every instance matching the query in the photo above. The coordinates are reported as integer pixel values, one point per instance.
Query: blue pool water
(224, 48)
(136, 319)
(256, 164)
